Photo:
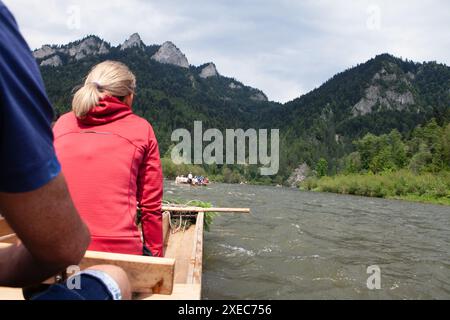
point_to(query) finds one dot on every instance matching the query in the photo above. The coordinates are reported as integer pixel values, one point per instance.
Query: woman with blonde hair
(111, 161)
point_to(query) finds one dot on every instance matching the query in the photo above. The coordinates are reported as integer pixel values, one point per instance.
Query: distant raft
(195, 181)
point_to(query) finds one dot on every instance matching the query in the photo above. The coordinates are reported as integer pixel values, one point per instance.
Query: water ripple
(302, 245)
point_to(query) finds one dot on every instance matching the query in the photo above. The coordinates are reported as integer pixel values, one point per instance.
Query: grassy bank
(426, 188)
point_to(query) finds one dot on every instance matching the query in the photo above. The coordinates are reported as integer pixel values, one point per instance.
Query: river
(302, 245)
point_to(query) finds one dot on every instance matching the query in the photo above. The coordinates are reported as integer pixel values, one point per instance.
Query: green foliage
(420, 161)
(389, 166)
(426, 150)
(446, 146)
(322, 168)
(381, 153)
(208, 216)
(427, 187)
(352, 163)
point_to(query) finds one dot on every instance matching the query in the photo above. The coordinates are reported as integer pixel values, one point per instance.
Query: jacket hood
(109, 109)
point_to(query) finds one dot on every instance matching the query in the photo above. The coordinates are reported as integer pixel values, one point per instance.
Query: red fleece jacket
(111, 163)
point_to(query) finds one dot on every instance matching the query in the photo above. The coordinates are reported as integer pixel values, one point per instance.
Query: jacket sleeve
(149, 197)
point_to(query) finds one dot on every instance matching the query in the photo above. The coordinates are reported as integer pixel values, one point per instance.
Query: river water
(302, 245)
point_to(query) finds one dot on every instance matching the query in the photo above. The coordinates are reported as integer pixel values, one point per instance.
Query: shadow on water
(301, 245)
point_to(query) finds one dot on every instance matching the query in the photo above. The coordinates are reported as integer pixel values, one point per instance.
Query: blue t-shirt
(27, 155)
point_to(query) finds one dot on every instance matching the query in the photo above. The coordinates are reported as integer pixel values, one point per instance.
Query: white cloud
(285, 48)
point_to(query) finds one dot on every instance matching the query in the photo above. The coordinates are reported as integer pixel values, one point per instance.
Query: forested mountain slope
(380, 95)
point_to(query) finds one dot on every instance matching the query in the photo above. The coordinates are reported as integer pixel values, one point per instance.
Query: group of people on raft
(192, 180)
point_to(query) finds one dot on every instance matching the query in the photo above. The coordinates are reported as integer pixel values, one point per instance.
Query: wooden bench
(146, 274)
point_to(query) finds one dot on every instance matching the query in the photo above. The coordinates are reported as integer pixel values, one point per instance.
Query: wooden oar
(198, 209)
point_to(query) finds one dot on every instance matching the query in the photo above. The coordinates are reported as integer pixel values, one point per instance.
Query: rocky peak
(384, 75)
(259, 96)
(134, 41)
(209, 70)
(87, 47)
(44, 52)
(76, 50)
(54, 61)
(168, 53)
(385, 92)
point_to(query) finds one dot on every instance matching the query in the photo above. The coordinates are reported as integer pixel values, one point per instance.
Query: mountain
(209, 70)
(56, 56)
(380, 95)
(383, 85)
(171, 93)
(168, 53)
(133, 42)
(377, 96)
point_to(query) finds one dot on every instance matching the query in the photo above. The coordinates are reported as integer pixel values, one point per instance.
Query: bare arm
(52, 233)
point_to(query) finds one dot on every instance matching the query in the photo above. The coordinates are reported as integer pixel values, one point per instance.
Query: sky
(284, 47)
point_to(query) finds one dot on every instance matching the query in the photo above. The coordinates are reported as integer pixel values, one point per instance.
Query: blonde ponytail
(85, 98)
(109, 78)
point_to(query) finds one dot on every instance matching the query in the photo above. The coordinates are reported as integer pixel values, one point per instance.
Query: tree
(446, 147)
(383, 161)
(398, 149)
(420, 162)
(367, 147)
(430, 142)
(382, 153)
(352, 163)
(322, 168)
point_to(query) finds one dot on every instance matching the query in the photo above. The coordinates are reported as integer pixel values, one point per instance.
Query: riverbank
(402, 185)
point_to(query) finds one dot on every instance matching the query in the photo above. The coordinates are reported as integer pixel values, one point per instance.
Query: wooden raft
(176, 276)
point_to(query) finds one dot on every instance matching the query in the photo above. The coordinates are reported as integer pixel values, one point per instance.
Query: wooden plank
(181, 291)
(180, 248)
(198, 209)
(12, 238)
(146, 274)
(5, 229)
(195, 267)
(11, 294)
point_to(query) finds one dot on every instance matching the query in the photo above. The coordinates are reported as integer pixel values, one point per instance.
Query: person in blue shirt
(34, 198)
